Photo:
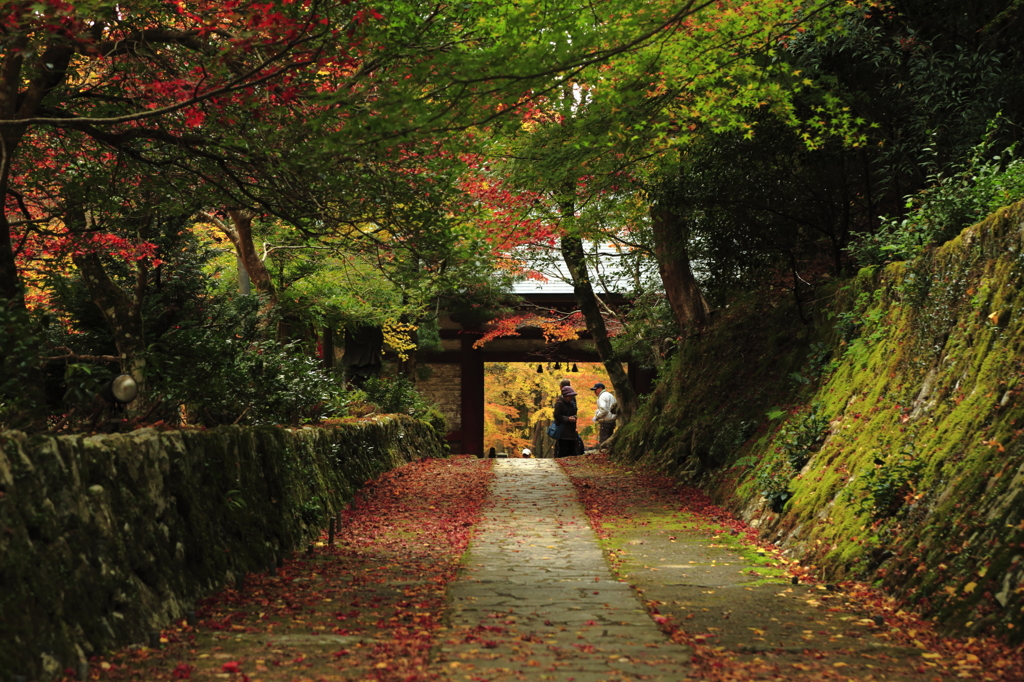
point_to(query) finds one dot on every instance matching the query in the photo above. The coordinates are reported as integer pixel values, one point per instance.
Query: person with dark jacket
(565, 417)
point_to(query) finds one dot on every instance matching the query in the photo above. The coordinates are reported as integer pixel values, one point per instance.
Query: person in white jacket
(606, 412)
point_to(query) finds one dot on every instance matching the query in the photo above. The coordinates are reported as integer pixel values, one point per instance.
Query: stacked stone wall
(104, 539)
(444, 388)
(883, 442)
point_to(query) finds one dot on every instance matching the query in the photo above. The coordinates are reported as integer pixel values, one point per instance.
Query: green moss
(920, 481)
(694, 532)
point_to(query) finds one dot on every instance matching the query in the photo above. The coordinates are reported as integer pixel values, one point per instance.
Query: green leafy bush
(795, 442)
(802, 436)
(983, 183)
(82, 381)
(885, 487)
(224, 371)
(227, 380)
(773, 477)
(398, 395)
(19, 366)
(312, 511)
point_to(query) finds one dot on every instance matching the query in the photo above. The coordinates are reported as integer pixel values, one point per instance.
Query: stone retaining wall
(104, 539)
(883, 442)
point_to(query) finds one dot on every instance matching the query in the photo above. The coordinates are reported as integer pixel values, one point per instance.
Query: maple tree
(138, 82)
(613, 131)
(237, 105)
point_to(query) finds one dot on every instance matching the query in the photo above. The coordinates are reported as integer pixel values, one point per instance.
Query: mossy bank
(104, 539)
(881, 442)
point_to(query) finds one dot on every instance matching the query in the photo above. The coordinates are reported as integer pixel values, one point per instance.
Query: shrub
(19, 366)
(983, 183)
(399, 396)
(224, 371)
(228, 380)
(796, 441)
(773, 477)
(802, 436)
(886, 486)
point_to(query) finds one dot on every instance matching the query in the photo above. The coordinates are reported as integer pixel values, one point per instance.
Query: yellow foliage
(398, 335)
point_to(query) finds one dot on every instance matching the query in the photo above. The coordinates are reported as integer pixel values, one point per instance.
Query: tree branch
(241, 82)
(72, 355)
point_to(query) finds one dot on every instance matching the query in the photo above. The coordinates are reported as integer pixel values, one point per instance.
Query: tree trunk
(25, 81)
(575, 260)
(239, 232)
(327, 348)
(11, 291)
(689, 307)
(241, 221)
(121, 310)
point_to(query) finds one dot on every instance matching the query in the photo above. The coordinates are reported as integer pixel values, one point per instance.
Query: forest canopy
(210, 196)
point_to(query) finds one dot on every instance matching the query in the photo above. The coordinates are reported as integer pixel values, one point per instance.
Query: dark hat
(597, 386)
(568, 392)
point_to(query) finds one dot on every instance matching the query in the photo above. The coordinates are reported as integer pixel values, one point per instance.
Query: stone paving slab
(536, 599)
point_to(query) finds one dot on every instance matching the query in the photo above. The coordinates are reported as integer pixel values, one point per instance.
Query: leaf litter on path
(371, 607)
(368, 608)
(536, 600)
(750, 614)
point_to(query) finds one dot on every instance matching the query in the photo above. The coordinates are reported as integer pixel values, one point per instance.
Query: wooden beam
(453, 357)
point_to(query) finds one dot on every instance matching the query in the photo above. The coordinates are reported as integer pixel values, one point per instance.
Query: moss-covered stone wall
(104, 539)
(883, 442)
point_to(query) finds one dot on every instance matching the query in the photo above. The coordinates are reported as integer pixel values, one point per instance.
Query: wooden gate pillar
(472, 398)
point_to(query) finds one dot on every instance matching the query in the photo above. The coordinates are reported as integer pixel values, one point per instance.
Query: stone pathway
(536, 600)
